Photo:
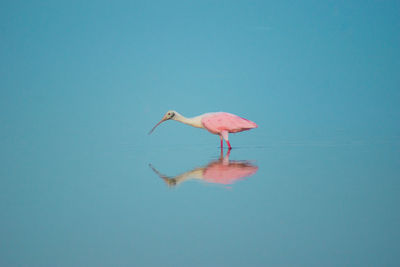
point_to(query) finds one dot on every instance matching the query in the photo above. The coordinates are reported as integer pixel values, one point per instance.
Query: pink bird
(220, 123)
(221, 171)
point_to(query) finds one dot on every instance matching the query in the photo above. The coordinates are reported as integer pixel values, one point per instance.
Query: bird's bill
(157, 125)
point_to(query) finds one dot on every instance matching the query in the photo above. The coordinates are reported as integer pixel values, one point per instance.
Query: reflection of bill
(221, 171)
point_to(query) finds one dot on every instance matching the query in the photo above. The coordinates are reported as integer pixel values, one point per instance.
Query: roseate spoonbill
(220, 123)
(221, 171)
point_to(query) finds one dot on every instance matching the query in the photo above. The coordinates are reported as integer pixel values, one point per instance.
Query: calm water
(284, 204)
(82, 184)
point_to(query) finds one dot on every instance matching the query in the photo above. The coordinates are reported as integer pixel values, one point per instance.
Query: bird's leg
(224, 135)
(229, 145)
(222, 143)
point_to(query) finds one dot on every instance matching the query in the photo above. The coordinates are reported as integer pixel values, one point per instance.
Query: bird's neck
(195, 121)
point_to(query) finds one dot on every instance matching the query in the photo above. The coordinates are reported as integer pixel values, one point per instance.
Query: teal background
(83, 82)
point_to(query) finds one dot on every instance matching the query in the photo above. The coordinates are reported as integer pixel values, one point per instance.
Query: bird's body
(219, 123)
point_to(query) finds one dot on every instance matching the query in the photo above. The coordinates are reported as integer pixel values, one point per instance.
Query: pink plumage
(218, 122)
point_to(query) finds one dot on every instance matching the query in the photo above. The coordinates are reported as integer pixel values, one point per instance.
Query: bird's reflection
(221, 171)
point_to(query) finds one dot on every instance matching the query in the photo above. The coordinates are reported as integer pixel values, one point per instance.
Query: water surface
(303, 204)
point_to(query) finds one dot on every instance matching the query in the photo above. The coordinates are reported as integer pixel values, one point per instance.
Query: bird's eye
(169, 113)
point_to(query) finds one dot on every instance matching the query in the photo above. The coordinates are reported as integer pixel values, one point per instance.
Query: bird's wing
(222, 121)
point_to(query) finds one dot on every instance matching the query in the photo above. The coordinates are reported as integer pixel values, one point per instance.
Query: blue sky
(301, 70)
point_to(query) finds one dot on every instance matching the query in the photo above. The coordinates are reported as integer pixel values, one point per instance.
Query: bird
(220, 171)
(219, 123)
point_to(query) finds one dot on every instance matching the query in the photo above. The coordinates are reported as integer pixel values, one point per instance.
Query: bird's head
(168, 116)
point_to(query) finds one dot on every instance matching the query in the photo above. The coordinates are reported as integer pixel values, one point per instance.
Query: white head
(168, 116)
